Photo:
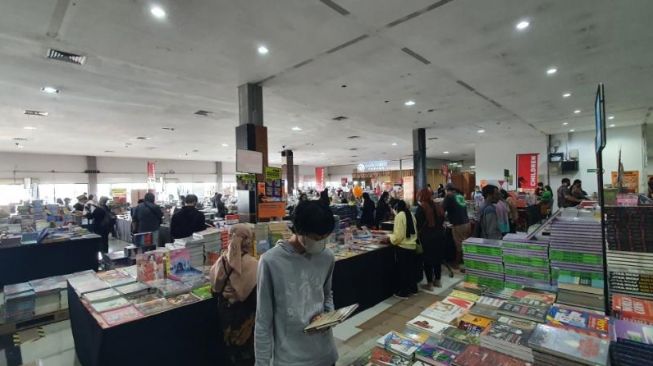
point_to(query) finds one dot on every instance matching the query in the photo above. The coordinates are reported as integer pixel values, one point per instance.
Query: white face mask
(313, 246)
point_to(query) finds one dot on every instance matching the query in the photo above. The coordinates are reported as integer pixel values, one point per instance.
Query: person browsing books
(430, 225)
(148, 217)
(456, 208)
(188, 220)
(488, 220)
(103, 221)
(404, 238)
(233, 279)
(294, 288)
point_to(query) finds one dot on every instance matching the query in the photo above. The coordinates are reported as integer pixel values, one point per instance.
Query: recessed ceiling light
(394, 144)
(19, 146)
(143, 138)
(296, 128)
(409, 103)
(108, 151)
(577, 111)
(29, 128)
(566, 95)
(551, 71)
(565, 123)
(612, 125)
(522, 25)
(572, 130)
(445, 152)
(262, 50)
(472, 167)
(157, 12)
(481, 131)
(225, 145)
(49, 90)
(610, 117)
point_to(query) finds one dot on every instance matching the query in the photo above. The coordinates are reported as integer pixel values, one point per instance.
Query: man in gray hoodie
(293, 288)
(488, 219)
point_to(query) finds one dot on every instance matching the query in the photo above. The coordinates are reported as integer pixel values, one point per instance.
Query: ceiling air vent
(433, 138)
(30, 112)
(340, 118)
(204, 113)
(20, 139)
(353, 148)
(66, 57)
(353, 137)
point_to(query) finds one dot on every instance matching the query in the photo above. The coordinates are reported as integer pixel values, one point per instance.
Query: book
(433, 355)
(167, 288)
(586, 322)
(508, 339)
(382, 357)
(183, 299)
(330, 319)
(533, 298)
(570, 345)
(536, 314)
(133, 289)
(518, 323)
(399, 344)
(427, 325)
(153, 306)
(203, 292)
(632, 308)
(494, 302)
(449, 344)
(485, 311)
(115, 278)
(480, 356)
(627, 330)
(474, 325)
(464, 295)
(100, 295)
(121, 315)
(470, 287)
(108, 304)
(443, 312)
(465, 304)
(460, 335)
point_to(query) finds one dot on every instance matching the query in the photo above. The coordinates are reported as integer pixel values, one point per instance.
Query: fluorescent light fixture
(472, 167)
(566, 95)
(551, 71)
(572, 130)
(158, 12)
(409, 103)
(481, 131)
(225, 145)
(565, 123)
(262, 50)
(610, 117)
(612, 125)
(29, 128)
(577, 111)
(394, 144)
(445, 152)
(50, 90)
(19, 146)
(35, 113)
(522, 25)
(296, 128)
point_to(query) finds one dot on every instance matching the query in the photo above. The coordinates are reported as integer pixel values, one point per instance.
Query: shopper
(148, 217)
(81, 201)
(233, 280)
(650, 187)
(383, 211)
(456, 208)
(66, 203)
(404, 238)
(441, 191)
(513, 213)
(222, 208)
(539, 190)
(294, 287)
(188, 220)
(324, 198)
(367, 217)
(103, 221)
(477, 196)
(430, 226)
(488, 221)
(577, 190)
(503, 212)
(565, 198)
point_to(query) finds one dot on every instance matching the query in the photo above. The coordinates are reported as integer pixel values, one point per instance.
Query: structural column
(91, 170)
(419, 158)
(289, 168)
(251, 135)
(218, 176)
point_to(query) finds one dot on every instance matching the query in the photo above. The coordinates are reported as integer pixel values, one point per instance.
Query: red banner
(319, 178)
(527, 171)
(150, 170)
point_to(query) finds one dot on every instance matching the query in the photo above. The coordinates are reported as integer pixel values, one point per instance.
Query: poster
(319, 178)
(245, 182)
(527, 166)
(271, 210)
(151, 170)
(409, 190)
(119, 195)
(272, 173)
(631, 180)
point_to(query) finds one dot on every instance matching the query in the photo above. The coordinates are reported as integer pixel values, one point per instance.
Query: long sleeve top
(398, 236)
(292, 288)
(489, 222)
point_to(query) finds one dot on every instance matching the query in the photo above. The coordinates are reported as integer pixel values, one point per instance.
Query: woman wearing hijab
(430, 226)
(233, 279)
(367, 217)
(383, 211)
(324, 198)
(441, 191)
(404, 238)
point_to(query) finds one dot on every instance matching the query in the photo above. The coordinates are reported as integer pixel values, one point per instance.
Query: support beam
(218, 176)
(250, 102)
(91, 169)
(289, 170)
(419, 158)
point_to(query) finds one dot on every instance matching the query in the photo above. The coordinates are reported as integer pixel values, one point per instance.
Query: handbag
(419, 249)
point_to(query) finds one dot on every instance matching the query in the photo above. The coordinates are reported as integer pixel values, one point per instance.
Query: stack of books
(520, 311)
(399, 348)
(629, 229)
(577, 260)
(423, 324)
(48, 292)
(478, 356)
(508, 339)
(578, 320)
(430, 354)
(626, 330)
(632, 308)
(631, 273)
(487, 306)
(483, 262)
(19, 302)
(629, 353)
(526, 261)
(561, 347)
(444, 312)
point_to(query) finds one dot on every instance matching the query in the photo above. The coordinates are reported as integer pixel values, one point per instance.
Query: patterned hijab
(237, 265)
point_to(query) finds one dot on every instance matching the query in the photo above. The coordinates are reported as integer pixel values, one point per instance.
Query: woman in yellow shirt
(404, 237)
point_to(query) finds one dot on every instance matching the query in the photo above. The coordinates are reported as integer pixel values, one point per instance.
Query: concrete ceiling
(462, 62)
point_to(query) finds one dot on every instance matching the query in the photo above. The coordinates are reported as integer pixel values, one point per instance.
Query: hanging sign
(319, 178)
(527, 170)
(150, 170)
(372, 166)
(272, 173)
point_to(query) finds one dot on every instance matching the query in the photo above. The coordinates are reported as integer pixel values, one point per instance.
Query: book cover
(518, 323)
(507, 334)
(540, 297)
(490, 301)
(383, 357)
(108, 304)
(464, 295)
(565, 317)
(115, 278)
(465, 304)
(570, 345)
(398, 343)
(628, 307)
(332, 318)
(433, 355)
(132, 288)
(100, 295)
(460, 335)
(473, 325)
(627, 330)
(443, 312)
(179, 261)
(121, 315)
(485, 311)
(183, 299)
(424, 324)
(153, 306)
(525, 312)
(481, 356)
(470, 287)
(449, 344)
(203, 292)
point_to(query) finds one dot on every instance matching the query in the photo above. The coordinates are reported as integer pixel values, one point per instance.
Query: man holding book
(294, 288)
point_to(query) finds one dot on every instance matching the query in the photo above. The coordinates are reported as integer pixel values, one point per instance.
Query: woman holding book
(430, 225)
(233, 279)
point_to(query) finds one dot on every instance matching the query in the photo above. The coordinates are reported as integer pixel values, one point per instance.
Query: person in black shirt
(103, 221)
(367, 217)
(81, 201)
(188, 220)
(430, 228)
(456, 208)
(148, 217)
(383, 211)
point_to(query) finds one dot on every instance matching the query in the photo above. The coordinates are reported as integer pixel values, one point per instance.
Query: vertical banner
(151, 170)
(527, 171)
(409, 189)
(319, 178)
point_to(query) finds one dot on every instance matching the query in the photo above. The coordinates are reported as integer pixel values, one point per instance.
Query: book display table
(366, 279)
(21, 263)
(187, 335)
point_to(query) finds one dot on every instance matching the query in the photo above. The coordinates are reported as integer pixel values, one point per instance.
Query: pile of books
(579, 320)
(526, 261)
(211, 245)
(632, 308)
(483, 262)
(629, 228)
(577, 260)
(631, 273)
(560, 347)
(508, 339)
(262, 238)
(50, 294)
(632, 343)
(19, 302)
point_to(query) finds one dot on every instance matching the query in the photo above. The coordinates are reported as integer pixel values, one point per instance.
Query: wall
(492, 157)
(628, 139)
(67, 168)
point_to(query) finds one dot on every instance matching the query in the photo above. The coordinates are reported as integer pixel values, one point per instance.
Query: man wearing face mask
(294, 287)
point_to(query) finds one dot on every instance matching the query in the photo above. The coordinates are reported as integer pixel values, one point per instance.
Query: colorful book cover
(203, 292)
(121, 315)
(383, 357)
(464, 295)
(570, 345)
(490, 301)
(480, 356)
(183, 299)
(179, 261)
(633, 308)
(153, 306)
(637, 332)
(449, 344)
(465, 304)
(433, 355)
(443, 312)
(424, 324)
(525, 312)
(588, 322)
(518, 323)
(507, 334)
(541, 297)
(398, 343)
(460, 335)
(473, 325)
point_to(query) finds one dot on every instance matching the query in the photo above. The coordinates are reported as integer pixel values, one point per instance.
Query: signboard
(151, 170)
(527, 166)
(119, 195)
(372, 166)
(409, 190)
(631, 180)
(248, 161)
(271, 210)
(272, 173)
(319, 178)
(245, 182)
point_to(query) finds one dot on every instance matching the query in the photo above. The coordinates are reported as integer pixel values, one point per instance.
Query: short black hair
(488, 190)
(313, 218)
(149, 197)
(577, 181)
(191, 199)
(504, 194)
(566, 180)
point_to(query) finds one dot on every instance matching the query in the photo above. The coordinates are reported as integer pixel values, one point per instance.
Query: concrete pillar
(218, 176)
(92, 171)
(289, 170)
(419, 158)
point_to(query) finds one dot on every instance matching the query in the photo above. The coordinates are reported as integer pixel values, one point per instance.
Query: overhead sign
(373, 166)
(248, 161)
(527, 170)
(319, 178)
(272, 173)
